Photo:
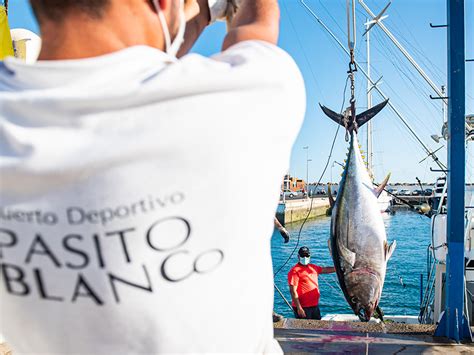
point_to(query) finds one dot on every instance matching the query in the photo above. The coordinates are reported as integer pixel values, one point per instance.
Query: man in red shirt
(304, 288)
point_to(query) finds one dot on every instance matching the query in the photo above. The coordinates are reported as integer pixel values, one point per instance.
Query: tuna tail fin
(361, 119)
(336, 117)
(378, 190)
(366, 116)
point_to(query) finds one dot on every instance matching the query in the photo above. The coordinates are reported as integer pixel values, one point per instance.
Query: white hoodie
(137, 195)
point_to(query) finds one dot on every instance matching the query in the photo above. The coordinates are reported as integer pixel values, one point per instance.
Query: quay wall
(296, 210)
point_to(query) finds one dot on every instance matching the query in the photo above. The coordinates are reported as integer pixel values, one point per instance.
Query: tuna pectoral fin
(347, 255)
(366, 116)
(378, 190)
(379, 313)
(389, 249)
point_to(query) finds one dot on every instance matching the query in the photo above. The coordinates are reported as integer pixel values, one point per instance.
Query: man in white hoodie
(127, 213)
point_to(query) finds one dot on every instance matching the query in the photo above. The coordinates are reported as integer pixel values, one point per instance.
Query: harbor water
(401, 292)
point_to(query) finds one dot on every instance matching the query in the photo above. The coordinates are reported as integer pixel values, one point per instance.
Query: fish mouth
(366, 312)
(365, 286)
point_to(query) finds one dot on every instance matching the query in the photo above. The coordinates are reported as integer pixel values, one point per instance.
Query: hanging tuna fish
(358, 242)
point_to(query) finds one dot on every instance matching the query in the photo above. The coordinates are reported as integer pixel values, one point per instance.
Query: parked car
(417, 192)
(302, 193)
(393, 191)
(320, 191)
(405, 192)
(428, 192)
(291, 194)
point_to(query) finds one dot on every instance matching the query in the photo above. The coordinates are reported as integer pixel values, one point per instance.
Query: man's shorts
(311, 313)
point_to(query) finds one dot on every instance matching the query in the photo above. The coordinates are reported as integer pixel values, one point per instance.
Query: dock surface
(298, 336)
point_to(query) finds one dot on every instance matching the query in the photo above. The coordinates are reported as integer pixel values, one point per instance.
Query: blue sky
(324, 67)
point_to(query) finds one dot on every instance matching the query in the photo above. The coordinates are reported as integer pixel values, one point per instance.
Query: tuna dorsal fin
(366, 116)
(330, 197)
(381, 187)
(347, 255)
(389, 249)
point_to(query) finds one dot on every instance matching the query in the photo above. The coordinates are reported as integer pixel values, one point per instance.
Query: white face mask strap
(164, 25)
(174, 47)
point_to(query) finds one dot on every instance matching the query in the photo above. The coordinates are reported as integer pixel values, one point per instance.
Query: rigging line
(417, 89)
(308, 63)
(395, 93)
(418, 86)
(407, 108)
(416, 46)
(399, 66)
(331, 286)
(319, 181)
(332, 17)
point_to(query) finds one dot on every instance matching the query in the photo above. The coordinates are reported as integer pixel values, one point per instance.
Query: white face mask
(304, 260)
(172, 47)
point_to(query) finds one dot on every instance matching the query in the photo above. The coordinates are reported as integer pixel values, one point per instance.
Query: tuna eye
(354, 299)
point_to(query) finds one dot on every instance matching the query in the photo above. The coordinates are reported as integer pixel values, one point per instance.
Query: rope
(319, 181)
(439, 246)
(282, 296)
(331, 286)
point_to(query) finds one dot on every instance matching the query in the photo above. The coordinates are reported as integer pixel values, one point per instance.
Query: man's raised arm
(197, 18)
(254, 20)
(328, 270)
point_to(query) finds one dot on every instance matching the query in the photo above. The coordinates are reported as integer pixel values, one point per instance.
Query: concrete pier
(296, 210)
(299, 336)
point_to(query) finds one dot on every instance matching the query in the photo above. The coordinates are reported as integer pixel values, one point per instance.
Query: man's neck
(80, 37)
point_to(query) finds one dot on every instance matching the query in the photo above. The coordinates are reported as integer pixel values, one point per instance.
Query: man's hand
(301, 312)
(191, 9)
(296, 301)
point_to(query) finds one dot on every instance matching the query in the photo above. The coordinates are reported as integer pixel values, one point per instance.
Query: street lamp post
(307, 176)
(307, 161)
(332, 166)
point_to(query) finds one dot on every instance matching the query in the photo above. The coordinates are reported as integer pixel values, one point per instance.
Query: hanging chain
(350, 117)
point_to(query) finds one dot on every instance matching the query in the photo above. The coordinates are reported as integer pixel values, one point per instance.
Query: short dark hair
(304, 252)
(54, 10)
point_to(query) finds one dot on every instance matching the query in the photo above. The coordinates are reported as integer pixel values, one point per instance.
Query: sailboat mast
(370, 166)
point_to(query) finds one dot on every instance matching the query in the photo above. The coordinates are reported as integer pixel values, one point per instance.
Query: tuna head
(364, 289)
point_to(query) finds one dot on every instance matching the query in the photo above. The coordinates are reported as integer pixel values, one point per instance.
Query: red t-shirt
(305, 278)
